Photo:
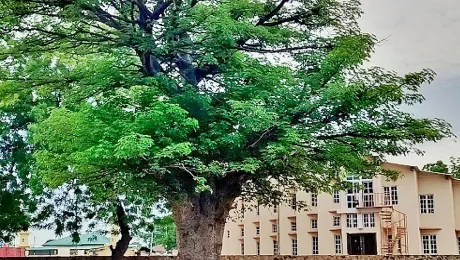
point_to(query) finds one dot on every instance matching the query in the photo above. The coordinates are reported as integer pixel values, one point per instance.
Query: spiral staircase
(393, 223)
(394, 231)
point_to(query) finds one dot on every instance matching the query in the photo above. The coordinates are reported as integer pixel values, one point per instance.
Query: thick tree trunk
(200, 225)
(123, 243)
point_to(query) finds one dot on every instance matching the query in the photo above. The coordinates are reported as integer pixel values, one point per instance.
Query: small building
(65, 247)
(91, 244)
(19, 251)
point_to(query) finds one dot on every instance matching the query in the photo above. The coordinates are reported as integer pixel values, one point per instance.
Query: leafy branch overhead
(197, 102)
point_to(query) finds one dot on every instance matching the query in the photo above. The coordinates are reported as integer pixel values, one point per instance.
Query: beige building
(417, 214)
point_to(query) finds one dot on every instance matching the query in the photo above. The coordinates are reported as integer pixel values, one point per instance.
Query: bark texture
(122, 245)
(200, 222)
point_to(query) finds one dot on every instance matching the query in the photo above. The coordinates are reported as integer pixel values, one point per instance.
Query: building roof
(417, 169)
(90, 239)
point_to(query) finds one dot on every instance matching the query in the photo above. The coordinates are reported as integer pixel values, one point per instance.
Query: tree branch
(293, 18)
(285, 20)
(265, 132)
(355, 135)
(104, 17)
(272, 13)
(307, 47)
(160, 9)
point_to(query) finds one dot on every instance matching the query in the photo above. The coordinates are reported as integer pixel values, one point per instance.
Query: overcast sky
(421, 34)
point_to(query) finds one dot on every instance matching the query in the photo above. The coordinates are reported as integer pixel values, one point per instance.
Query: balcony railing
(368, 200)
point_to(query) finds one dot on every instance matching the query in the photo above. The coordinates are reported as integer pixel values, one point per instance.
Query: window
(338, 244)
(275, 247)
(314, 223)
(394, 195)
(73, 252)
(293, 226)
(458, 243)
(43, 252)
(257, 230)
(228, 233)
(314, 199)
(427, 204)
(294, 246)
(336, 197)
(258, 247)
(352, 200)
(274, 228)
(242, 248)
(390, 195)
(293, 201)
(369, 220)
(315, 250)
(242, 232)
(429, 244)
(352, 220)
(368, 194)
(336, 221)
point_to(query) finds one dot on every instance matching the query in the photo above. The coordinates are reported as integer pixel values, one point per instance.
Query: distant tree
(161, 232)
(438, 166)
(198, 102)
(165, 232)
(453, 168)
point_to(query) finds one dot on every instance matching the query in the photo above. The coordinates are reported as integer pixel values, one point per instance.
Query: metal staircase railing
(393, 223)
(394, 231)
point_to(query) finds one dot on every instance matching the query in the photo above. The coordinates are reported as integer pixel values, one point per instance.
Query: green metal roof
(85, 239)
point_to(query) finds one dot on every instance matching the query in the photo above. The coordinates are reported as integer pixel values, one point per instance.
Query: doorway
(362, 244)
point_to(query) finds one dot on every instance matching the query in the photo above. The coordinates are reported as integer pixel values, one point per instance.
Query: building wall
(456, 191)
(12, 252)
(444, 222)
(321, 257)
(408, 202)
(107, 252)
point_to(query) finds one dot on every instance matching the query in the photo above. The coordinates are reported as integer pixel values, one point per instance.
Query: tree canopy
(15, 200)
(197, 102)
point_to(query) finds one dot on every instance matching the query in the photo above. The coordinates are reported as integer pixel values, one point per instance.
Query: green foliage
(15, 162)
(165, 232)
(161, 232)
(439, 166)
(150, 100)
